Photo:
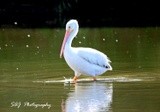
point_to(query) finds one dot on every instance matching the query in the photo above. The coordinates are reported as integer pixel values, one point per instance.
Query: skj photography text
(26, 104)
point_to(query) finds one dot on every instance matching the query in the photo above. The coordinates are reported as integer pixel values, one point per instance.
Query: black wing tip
(108, 67)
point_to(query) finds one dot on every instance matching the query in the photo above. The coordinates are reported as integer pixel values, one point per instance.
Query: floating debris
(15, 23)
(37, 53)
(115, 32)
(127, 52)
(116, 40)
(139, 42)
(28, 35)
(104, 39)
(139, 67)
(27, 45)
(68, 81)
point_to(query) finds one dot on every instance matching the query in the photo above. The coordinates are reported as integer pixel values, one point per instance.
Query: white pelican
(86, 61)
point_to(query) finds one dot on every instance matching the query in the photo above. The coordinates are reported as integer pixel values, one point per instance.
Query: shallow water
(31, 72)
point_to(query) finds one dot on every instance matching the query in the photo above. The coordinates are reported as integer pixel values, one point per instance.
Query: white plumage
(81, 60)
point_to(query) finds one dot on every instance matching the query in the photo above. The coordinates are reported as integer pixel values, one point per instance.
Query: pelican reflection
(89, 97)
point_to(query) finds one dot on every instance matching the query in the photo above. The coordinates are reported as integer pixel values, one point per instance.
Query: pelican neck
(69, 41)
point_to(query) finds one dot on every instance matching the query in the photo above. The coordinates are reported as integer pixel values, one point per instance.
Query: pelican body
(86, 61)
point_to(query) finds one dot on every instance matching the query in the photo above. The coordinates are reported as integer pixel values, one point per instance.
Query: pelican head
(72, 27)
(71, 31)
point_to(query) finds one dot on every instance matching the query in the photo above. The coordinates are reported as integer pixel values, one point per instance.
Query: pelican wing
(94, 56)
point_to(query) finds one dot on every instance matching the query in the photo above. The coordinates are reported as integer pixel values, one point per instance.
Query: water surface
(31, 72)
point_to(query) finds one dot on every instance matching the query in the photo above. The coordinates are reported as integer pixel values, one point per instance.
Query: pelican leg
(75, 79)
(76, 76)
(94, 79)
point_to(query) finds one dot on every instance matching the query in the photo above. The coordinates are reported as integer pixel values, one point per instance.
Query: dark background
(89, 13)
